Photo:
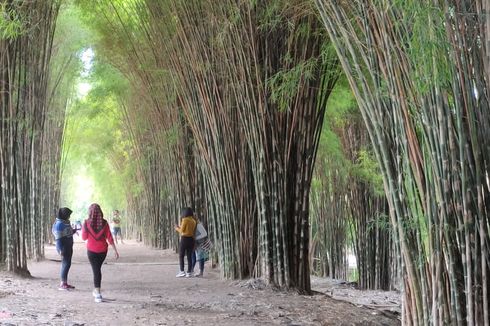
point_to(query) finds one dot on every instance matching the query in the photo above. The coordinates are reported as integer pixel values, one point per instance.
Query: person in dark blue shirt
(63, 234)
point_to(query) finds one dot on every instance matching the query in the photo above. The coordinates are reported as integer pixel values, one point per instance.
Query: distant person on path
(202, 247)
(186, 229)
(63, 234)
(98, 235)
(116, 226)
(78, 227)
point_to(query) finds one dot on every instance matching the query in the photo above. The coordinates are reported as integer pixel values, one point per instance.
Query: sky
(87, 57)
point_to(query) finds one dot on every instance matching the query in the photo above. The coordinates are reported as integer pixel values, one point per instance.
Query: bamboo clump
(419, 72)
(30, 139)
(244, 87)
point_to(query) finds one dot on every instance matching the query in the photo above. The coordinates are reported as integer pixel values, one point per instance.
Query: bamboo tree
(272, 120)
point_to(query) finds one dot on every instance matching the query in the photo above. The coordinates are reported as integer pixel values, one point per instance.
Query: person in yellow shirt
(186, 229)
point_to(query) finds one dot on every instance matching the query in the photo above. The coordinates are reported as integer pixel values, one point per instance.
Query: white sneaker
(180, 274)
(189, 274)
(97, 297)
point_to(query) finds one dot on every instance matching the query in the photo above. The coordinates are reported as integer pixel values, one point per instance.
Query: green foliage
(342, 110)
(284, 84)
(108, 82)
(70, 30)
(69, 41)
(11, 23)
(367, 169)
(381, 221)
(96, 143)
(425, 39)
(340, 103)
(171, 135)
(330, 148)
(270, 17)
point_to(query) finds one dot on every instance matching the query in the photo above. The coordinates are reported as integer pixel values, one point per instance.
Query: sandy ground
(141, 289)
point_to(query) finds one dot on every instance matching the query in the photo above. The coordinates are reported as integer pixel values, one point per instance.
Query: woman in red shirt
(98, 235)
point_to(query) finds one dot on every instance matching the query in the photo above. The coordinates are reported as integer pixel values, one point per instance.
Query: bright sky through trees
(83, 194)
(87, 58)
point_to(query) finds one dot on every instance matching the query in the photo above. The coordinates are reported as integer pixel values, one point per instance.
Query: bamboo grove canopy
(223, 107)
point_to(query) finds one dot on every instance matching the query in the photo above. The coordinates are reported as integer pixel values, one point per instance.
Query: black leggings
(96, 260)
(185, 249)
(67, 253)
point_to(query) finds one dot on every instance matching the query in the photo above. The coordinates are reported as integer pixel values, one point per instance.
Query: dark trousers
(96, 260)
(66, 255)
(194, 260)
(185, 249)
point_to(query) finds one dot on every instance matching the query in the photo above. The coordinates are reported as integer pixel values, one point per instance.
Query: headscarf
(96, 218)
(186, 211)
(64, 213)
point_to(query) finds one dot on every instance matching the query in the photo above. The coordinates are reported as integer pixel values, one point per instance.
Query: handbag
(206, 245)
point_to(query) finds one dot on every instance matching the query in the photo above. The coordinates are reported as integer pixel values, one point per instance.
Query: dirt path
(141, 289)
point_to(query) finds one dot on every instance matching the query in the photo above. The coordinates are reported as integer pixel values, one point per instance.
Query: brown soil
(141, 289)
